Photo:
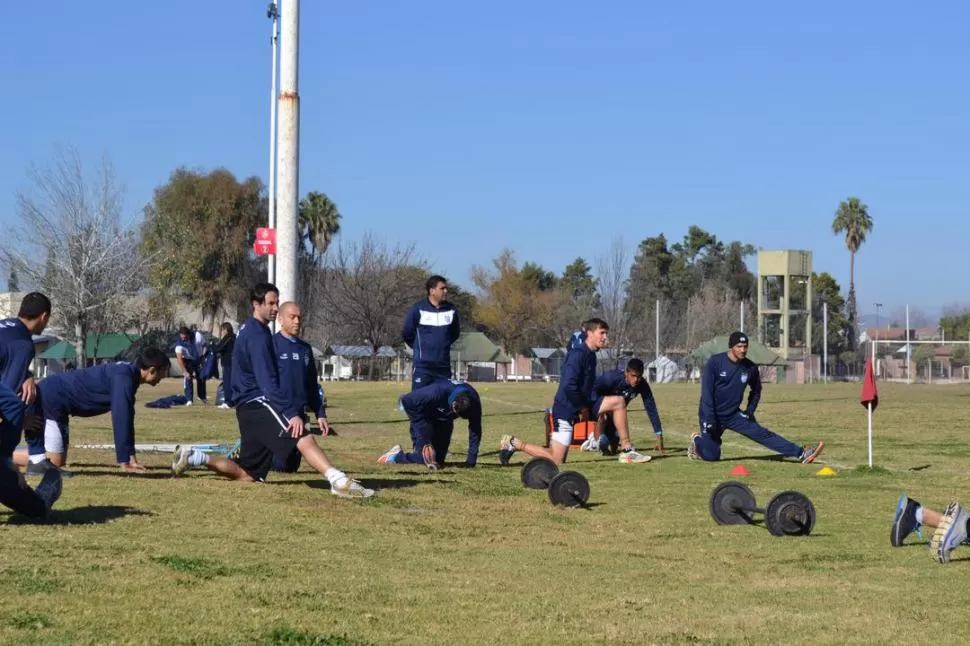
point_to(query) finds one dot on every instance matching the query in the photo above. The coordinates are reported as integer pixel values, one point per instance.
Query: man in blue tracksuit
(430, 327)
(613, 427)
(105, 388)
(573, 402)
(270, 423)
(298, 377)
(17, 389)
(725, 378)
(188, 352)
(432, 410)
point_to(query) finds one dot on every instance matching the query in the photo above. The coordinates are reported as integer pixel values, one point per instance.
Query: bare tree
(713, 310)
(72, 244)
(612, 271)
(367, 290)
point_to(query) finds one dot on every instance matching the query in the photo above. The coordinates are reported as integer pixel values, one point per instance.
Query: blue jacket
(298, 374)
(576, 380)
(613, 382)
(722, 388)
(108, 387)
(255, 374)
(188, 352)
(430, 331)
(16, 353)
(432, 404)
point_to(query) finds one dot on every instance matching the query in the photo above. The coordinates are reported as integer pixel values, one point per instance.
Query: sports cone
(825, 471)
(740, 470)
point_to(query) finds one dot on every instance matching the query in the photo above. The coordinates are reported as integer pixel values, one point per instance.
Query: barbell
(566, 489)
(789, 513)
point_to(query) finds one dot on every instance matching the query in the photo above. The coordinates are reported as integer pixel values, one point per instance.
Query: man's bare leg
(556, 452)
(314, 455)
(228, 469)
(616, 405)
(20, 458)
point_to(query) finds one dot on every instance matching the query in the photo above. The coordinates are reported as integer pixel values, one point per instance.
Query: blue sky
(546, 127)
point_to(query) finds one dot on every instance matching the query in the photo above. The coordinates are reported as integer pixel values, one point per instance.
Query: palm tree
(852, 218)
(319, 223)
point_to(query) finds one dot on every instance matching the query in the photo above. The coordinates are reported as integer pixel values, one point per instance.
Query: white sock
(198, 458)
(37, 459)
(336, 477)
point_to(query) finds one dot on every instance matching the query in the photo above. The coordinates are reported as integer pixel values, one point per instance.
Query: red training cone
(740, 470)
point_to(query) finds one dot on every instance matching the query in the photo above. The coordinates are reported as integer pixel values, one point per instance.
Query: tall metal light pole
(288, 202)
(273, 13)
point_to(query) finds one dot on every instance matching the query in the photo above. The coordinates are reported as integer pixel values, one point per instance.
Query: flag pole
(872, 358)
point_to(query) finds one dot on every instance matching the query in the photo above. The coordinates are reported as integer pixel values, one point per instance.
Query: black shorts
(262, 433)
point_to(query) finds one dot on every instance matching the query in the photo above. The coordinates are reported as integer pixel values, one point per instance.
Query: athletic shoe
(506, 449)
(633, 457)
(390, 456)
(224, 406)
(951, 532)
(904, 522)
(42, 467)
(590, 444)
(180, 460)
(188, 403)
(352, 489)
(810, 452)
(692, 453)
(427, 454)
(50, 487)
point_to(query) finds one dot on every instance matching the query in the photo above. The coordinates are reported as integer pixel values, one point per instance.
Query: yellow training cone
(826, 471)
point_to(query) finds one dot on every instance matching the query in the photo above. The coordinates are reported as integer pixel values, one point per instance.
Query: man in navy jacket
(573, 402)
(270, 422)
(725, 378)
(105, 388)
(430, 327)
(298, 377)
(614, 390)
(17, 389)
(432, 411)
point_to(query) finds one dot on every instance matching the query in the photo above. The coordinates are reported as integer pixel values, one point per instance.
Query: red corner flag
(869, 392)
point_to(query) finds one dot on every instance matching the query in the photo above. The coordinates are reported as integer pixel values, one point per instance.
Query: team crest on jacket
(744, 378)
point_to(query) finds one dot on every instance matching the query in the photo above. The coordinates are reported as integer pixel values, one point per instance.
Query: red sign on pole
(265, 244)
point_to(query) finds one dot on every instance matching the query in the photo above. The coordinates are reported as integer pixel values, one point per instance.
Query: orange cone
(740, 470)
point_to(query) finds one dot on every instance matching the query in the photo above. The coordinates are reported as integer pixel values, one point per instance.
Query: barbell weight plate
(728, 502)
(790, 513)
(569, 489)
(537, 473)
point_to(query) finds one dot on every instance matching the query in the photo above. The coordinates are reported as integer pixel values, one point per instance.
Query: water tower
(785, 302)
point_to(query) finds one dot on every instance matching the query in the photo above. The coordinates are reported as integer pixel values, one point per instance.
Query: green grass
(471, 557)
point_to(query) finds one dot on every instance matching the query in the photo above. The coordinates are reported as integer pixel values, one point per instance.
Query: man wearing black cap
(725, 377)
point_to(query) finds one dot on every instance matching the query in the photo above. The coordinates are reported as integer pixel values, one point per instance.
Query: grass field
(471, 557)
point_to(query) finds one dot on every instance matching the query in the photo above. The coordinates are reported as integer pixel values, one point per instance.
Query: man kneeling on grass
(432, 411)
(574, 402)
(106, 388)
(951, 527)
(269, 422)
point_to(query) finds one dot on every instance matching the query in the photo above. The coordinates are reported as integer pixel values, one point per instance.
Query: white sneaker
(223, 405)
(590, 444)
(180, 461)
(352, 489)
(632, 457)
(188, 403)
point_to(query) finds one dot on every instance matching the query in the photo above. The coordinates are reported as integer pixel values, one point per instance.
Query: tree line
(193, 244)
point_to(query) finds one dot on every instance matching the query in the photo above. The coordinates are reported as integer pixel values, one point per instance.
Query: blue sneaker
(904, 522)
(50, 487)
(951, 532)
(390, 456)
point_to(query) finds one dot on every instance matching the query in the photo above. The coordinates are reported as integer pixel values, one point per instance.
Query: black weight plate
(727, 502)
(569, 489)
(790, 513)
(537, 473)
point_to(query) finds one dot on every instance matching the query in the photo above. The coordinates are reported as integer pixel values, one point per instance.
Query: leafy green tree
(853, 220)
(199, 229)
(319, 222)
(826, 290)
